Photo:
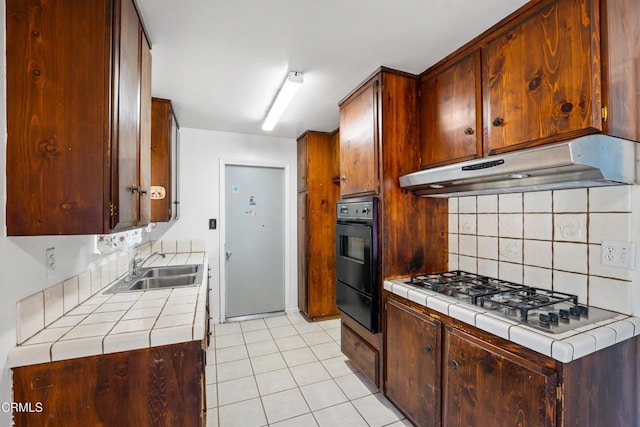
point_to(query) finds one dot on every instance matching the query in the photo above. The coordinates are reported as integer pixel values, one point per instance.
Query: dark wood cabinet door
(124, 173)
(162, 162)
(303, 253)
(450, 118)
(303, 165)
(335, 156)
(542, 77)
(412, 351)
(487, 385)
(359, 142)
(145, 131)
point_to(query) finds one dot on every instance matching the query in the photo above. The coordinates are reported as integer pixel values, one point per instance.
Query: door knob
(227, 254)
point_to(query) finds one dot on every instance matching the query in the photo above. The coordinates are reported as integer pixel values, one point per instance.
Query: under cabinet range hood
(590, 161)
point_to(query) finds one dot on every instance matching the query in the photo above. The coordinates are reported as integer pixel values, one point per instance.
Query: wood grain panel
(125, 179)
(450, 113)
(363, 355)
(542, 77)
(412, 363)
(481, 382)
(621, 67)
(160, 386)
(58, 63)
(359, 142)
(145, 131)
(161, 157)
(317, 295)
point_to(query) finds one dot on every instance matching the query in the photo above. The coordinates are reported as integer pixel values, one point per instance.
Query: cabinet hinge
(559, 392)
(112, 209)
(605, 114)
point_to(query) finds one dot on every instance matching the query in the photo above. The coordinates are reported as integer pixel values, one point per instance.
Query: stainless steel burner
(543, 309)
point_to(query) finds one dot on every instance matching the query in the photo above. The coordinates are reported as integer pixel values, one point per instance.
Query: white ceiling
(221, 62)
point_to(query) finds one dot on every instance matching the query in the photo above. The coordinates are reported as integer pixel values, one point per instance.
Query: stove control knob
(564, 314)
(544, 319)
(553, 317)
(574, 311)
(584, 310)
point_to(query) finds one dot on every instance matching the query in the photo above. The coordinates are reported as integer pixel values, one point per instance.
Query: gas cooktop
(543, 309)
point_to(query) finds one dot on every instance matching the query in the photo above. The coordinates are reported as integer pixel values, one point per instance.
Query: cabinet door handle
(428, 348)
(343, 178)
(143, 192)
(498, 121)
(134, 189)
(469, 131)
(453, 364)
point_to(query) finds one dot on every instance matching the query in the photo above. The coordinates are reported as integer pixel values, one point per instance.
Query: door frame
(223, 227)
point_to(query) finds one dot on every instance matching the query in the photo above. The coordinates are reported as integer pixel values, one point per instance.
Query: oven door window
(354, 256)
(353, 248)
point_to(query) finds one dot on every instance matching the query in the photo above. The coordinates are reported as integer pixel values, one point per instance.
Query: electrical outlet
(50, 260)
(619, 254)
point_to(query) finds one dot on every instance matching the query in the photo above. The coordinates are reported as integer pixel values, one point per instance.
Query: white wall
(200, 155)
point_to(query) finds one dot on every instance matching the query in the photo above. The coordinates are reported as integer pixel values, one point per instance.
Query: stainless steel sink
(153, 278)
(170, 270)
(148, 283)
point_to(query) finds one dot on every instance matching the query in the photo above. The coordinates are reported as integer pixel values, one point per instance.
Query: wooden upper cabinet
(542, 77)
(145, 131)
(335, 155)
(75, 116)
(484, 382)
(359, 142)
(163, 162)
(450, 118)
(303, 162)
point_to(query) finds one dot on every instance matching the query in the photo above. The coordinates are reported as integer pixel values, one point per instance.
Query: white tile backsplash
(538, 226)
(611, 226)
(30, 312)
(453, 223)
(510, 225)
(53, 303)
(510, 203)
(570, 200)
(610, 199)
(570, 257)
(570, 227)
(488, 224)
(467, 205)
(538, 253)
(70, 290)
(539, 201)
(552, 240)
(488, 203)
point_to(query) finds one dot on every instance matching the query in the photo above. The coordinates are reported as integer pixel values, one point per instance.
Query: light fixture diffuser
(284, 97)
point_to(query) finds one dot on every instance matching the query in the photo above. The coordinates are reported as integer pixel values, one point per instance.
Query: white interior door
(254, 240)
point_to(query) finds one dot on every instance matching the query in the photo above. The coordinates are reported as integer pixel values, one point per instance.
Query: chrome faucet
(136, 263)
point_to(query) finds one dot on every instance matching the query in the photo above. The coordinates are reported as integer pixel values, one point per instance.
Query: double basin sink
(151, 278)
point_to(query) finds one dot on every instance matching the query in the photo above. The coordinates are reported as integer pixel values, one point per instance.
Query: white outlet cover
(618, 254)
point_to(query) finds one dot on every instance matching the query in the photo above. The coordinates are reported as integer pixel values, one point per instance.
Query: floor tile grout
(253, 329)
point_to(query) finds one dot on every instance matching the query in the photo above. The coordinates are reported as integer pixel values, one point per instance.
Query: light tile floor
(284, 371)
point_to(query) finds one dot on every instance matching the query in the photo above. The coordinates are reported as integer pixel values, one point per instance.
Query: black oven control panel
(358, 211)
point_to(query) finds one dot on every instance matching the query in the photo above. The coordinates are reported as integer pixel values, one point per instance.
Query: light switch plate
(619, 254)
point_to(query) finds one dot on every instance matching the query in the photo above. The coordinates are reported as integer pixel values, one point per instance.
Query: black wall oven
(357, 293)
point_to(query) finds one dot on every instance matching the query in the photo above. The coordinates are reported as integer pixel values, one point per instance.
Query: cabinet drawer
(360, 353)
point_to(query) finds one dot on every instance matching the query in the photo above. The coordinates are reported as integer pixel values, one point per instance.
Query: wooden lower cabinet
(442, 372)
(158, 386)
(484, 382)
(413, 363)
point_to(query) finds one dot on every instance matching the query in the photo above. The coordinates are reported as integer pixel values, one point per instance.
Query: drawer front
(365, 357)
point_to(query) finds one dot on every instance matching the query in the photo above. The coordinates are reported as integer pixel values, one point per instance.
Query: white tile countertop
(109, 323)
(563, 347)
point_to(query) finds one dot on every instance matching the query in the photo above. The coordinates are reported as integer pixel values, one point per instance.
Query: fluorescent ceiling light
(284, 97)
